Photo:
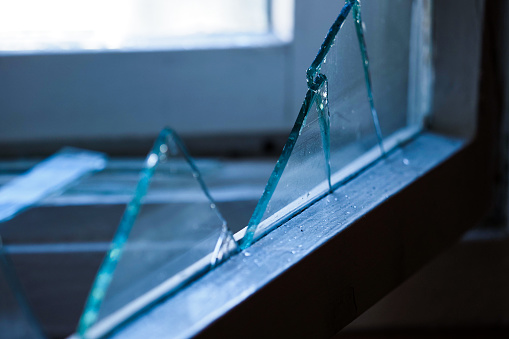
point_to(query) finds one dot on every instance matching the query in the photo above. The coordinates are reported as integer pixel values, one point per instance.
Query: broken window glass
(170, 232)
(161, 245)
(363, 99)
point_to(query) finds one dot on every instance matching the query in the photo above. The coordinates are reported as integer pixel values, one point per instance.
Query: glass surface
(154, 242)
(111, 24)
(359, 82)
(16, 319)
(301, 174)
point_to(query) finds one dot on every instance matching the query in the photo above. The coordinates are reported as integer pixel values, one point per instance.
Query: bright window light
(32, 25)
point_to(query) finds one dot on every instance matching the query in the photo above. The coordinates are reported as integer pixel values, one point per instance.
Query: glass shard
(16, 318)
(161, 245)
(301, 173)
(344, 87)
(50, 176)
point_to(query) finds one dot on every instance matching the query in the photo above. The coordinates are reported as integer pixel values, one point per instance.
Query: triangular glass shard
(16, 318)
(161, 245)
(341, 84)
(368, 97)
(300, 176)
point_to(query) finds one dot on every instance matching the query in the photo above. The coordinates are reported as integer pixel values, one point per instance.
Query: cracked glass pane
(158, 244)
(16, 318)
(300, 176)
(368, 98)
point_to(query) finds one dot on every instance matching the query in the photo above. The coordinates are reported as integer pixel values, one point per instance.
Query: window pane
(111, 24)
(350, 89)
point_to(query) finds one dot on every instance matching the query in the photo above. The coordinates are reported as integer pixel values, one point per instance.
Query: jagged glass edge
(223, 249)
(271, 186)
(316, 82)
(13, 282)
(367, 74)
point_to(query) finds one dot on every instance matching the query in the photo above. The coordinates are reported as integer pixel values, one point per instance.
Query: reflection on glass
(16, 319)
(161, 245)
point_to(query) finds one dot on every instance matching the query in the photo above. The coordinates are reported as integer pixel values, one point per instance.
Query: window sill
(314, 274)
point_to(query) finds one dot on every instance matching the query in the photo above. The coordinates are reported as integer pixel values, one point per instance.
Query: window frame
(139, 91)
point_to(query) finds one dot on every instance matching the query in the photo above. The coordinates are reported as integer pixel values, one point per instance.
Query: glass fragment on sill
(50, 176)
(16, 318)
(354, 125)
(161, 245)
(300, 176)
(349, 86)
(293, 185)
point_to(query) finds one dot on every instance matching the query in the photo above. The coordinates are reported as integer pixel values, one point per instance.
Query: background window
(30, 25)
